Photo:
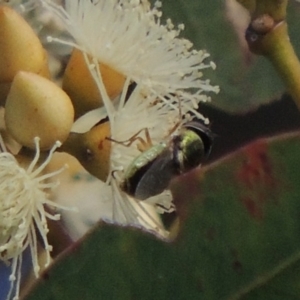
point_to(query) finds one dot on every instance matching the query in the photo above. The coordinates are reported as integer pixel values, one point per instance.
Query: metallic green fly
(149, 174)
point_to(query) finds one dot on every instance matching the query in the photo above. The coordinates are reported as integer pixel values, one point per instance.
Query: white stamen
(22, 210)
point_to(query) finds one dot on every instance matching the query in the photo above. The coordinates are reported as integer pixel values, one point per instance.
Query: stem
(267, 35)
(276, 46)
(248, 4)
(275, 8)
(281, 53)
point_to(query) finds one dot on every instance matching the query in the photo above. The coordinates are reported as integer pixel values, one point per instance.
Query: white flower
(23, 202)
(140, 115)
(127, 35)
(21, 6)
(130, 211)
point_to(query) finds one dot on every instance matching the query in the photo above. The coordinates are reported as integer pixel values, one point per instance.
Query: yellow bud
(4, 89)
(35, 106)
(20, 49)
(92, 149)
(81, 87)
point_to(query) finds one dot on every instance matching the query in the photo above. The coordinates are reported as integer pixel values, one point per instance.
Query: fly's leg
(143, 143)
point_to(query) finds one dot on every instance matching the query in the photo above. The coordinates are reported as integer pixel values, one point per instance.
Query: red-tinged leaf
(239, 238)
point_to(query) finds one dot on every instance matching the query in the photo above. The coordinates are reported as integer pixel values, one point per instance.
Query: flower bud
(20, 49)
(36, 107)
(92, 149)
(81, 87)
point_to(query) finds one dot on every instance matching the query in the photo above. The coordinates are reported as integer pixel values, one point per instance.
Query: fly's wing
(156, 179)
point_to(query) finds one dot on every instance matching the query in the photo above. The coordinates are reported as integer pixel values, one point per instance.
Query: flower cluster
(130, 85)
(131, 41)
(24, 194)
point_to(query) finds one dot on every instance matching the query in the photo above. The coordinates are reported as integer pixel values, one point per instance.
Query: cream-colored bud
(35, 106)
(81, 87)
(20, 49)
(92, 149)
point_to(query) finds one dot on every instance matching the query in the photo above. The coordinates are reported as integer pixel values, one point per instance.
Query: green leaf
(246, 80)
(239, 238)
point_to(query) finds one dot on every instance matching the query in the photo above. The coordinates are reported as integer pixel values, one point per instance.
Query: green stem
(274, 8)
(277, 48)
(248, 4)
(267, 35)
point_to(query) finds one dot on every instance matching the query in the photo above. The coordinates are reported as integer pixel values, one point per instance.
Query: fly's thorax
(139, 166)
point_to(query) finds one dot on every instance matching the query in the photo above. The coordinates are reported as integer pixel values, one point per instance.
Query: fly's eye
(188, 151)
(204, 133)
